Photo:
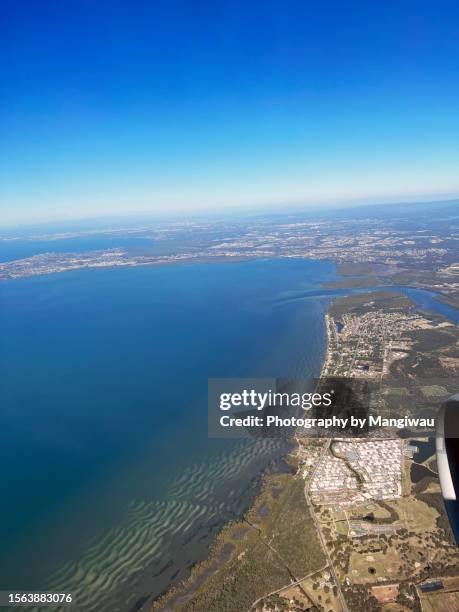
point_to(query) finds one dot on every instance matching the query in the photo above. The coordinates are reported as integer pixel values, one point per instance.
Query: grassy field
(415, 515)
(342, 527)
(406, 478)
(358, 512)
(297, 593)
(398, 391)
(433, 487)
(440, 602)
(434, 391)
(365, 568)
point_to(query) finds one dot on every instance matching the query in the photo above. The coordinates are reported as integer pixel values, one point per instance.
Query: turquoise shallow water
(111, 487)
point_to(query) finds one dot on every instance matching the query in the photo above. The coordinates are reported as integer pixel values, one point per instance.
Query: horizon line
(287, 208)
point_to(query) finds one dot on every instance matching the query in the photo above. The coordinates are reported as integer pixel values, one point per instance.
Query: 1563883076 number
(21, 598)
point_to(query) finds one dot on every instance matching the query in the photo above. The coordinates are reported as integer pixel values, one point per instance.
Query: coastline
(222, 549)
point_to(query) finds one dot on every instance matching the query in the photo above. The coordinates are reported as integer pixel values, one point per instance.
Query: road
(287, 586)
(319, 532)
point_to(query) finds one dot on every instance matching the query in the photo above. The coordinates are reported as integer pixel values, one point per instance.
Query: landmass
(360, 523)
(356, 523)
(389, 245)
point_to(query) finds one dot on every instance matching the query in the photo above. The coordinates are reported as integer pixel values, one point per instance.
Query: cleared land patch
(365, 568)
(386, 593)
(414, 514)
(440, 602)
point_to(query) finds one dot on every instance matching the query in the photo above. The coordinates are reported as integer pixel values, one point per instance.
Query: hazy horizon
(136, 217)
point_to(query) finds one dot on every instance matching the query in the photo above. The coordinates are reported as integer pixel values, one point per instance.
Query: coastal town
(357, 523)
(369, 250)
(386, 544)
(366, 344)
(358, 471)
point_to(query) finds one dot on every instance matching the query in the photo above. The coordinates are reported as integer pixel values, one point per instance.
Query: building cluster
(344, 241)
(359, 529)
(364, 345)
(357, 471)
(334, 483)
(51, 263)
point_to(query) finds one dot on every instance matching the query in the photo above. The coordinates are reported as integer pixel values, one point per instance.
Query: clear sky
(115, 107)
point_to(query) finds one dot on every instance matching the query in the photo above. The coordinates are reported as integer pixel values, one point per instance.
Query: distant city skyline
(162, 107)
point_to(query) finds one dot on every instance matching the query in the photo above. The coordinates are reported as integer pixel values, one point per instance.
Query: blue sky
(118, 107)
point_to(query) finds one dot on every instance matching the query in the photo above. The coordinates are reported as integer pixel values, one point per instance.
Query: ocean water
(111, 488)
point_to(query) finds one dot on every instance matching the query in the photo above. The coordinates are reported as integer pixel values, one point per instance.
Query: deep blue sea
(110, 485)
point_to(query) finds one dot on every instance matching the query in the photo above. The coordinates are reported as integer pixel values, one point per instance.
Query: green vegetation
(293, 534)
(398, 391)
(369, 568)
(354, 283)
(279, 545)
(431, 339)
(434, 391)
(342, 528)
(354, 269)
(417, 516)
(382, 513)
(367, 302)
(435, 501)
